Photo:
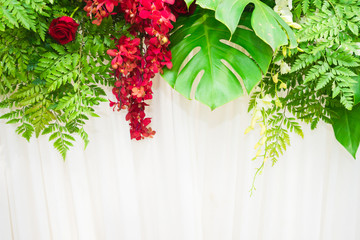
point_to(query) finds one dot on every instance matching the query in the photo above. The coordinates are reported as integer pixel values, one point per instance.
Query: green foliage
(328, 60)
(301, 100)
(266, 24)
(29, 14)
(356, 89)
(219, 84)
(309, 105)
(347, 128)
(305, 6)
(323, 84)
(275, 121)
(51, 88)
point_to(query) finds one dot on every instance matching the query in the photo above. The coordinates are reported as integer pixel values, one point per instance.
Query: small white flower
(290, 4)
(283, 8)
(284, 67)
(255, 117)
(265, 102)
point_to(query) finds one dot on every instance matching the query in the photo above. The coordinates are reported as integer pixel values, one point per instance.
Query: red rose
(63, 29)
(180, 8)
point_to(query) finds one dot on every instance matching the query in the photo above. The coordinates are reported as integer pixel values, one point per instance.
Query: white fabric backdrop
(191, 182)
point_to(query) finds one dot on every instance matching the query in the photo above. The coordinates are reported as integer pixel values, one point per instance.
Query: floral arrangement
(299, 61)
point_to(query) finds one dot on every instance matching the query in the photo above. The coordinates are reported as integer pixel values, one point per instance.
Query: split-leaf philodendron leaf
(267, 24)
(347, 128)
(218, 85)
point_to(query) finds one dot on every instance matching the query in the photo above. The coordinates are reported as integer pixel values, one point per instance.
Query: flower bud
(248, 129)
(163, 40)
(263, 129)
(257, 115)
(275, 78)
(283, 85)
(258, 152)
(295, 25)
(102, 13)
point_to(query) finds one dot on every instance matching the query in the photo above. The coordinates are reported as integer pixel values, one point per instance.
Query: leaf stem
(72, 14)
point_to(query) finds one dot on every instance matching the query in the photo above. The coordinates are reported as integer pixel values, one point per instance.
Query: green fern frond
(25, 130)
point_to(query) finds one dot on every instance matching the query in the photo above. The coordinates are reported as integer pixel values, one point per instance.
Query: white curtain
(190, 182)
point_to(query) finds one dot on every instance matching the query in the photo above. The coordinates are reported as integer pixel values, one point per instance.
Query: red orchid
(109, 4)
(136, 61)
(100, 9)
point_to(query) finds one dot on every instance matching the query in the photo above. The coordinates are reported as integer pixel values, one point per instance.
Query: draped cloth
(190, 182)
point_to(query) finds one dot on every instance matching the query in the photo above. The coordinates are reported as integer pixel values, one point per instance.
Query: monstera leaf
(347, 128)
(218, 85)
(267, 24)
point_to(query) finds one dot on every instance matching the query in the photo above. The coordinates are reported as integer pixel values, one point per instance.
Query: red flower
(100, 9)
(109, 4)
(180, 8)
(135, 61)
(63, 29)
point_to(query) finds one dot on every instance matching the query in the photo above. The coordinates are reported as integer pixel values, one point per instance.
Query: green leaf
(356, 89)
(218, 85)
(267, 24)
(13, 121)
(25, 130)
(347, 128)
(48, 130)
(188, 2)
(354, 28)
(305, 5)
(54, 135)
(208, 4)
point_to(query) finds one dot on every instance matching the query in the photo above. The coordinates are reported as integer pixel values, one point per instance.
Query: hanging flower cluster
(136, 61)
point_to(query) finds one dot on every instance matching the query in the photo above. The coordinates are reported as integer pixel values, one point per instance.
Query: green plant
(219, 84)
(323, 83)
(237, 47)
(50, 88)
